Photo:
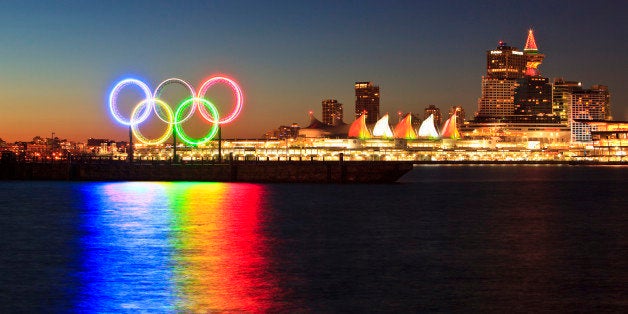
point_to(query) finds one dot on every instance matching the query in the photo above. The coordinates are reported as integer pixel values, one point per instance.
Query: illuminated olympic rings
(174, 119)
(134, 126)
(206, 105)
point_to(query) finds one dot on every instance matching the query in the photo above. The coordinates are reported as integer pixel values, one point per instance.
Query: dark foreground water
(447, 238)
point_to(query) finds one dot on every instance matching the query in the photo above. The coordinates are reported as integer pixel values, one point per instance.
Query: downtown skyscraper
(332, 111)
(587, 104)
(504, 65)
(561, 97)
(367, 101)
(513, 89)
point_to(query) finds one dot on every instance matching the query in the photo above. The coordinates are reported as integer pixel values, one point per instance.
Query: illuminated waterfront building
(516, 101)
(367, 100)
(318, 129)
(437, 116)
(588, 104)
(533, 96)
(288, 131)
(332, 111)
(505, 63)
(513, 91)
(610, 138)
(561, 93)
(498, 98)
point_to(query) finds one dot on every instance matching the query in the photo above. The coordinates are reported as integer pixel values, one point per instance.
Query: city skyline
(61, 59)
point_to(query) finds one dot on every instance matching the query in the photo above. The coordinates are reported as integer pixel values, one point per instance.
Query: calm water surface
(446, 238)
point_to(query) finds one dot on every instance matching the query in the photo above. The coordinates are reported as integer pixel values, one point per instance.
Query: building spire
(533, 57)
(530, 42)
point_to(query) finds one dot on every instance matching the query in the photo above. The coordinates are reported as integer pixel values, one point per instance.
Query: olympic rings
(175, 118)
(134, 126)
(212, 131)
(163, 84)
(236, 90)
(113, 98)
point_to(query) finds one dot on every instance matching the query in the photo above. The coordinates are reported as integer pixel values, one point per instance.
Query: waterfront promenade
(105, 169)
(84, 168)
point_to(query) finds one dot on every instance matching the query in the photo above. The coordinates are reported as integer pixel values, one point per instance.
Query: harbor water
(442, 239)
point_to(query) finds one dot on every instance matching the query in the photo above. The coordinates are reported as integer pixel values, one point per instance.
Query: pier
(98, 169)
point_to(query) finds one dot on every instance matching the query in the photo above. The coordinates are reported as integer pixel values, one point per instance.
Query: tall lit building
(498, 98)
(504, 65)
(332, 111)
(438, 117)
(516, 100)
(533, 96)
(505, 62)
(367, 100)
(513, 89)
(604, 96)
(588, 104)
(561, 93)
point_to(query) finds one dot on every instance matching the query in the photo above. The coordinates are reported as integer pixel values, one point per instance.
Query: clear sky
(60, 58)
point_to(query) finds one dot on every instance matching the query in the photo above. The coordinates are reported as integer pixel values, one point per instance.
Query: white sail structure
(427, 128)
(382, 128)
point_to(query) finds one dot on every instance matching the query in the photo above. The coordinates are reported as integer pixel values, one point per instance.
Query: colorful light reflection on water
(174, 247)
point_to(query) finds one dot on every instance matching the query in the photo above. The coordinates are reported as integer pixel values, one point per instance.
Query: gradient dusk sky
(61, 58)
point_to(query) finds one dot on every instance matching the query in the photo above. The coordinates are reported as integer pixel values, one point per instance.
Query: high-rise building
(588, 104)
(504, 65)
(505, 62)
(561, 93)
(513, 89)
(604, 96)
(516, 100)
(332, 111)
(438, 117)
(367, 100)
(533, 96)
(498, 98)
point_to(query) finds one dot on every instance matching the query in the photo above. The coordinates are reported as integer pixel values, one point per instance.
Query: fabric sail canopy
(449, 128)
(404, 129)
(358, 128)
(427, 128)
(382, 128)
